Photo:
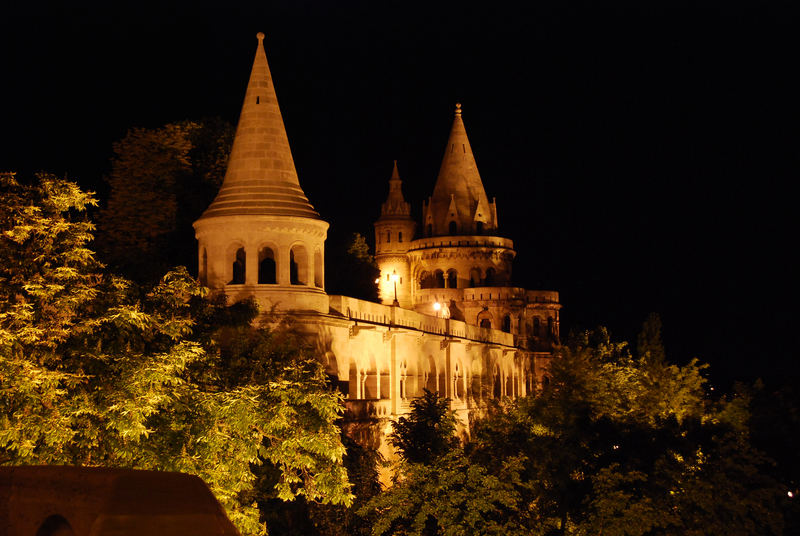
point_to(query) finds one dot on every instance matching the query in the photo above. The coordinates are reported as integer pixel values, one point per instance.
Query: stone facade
(445, 293)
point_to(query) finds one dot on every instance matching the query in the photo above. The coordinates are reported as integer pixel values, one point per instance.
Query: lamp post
(436, 307)
(394, 280)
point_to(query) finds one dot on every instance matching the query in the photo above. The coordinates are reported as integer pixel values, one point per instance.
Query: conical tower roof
(459, 195)
(261, 178)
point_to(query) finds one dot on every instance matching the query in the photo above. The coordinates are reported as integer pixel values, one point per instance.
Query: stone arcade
(450, 321)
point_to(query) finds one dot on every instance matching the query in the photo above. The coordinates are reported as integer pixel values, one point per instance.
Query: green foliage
(428, 432)
(449, 496)
(96, 371)
(161, 181)
(622, 446)
(350, 269)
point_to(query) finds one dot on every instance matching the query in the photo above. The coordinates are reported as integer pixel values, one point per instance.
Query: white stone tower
(394, 231)
(260, 236)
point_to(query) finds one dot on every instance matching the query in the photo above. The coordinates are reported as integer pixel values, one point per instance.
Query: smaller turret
(394, 231)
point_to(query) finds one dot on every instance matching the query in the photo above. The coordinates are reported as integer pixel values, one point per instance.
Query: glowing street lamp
(394, 280)
(437, 307)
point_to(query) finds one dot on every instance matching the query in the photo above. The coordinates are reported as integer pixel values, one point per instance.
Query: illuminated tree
(621, 446)
(96, 371)
(162, 179)
(428, 432)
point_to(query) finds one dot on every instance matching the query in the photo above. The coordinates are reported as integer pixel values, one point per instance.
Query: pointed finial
(395, 172)
(458, 108)
(260, 36)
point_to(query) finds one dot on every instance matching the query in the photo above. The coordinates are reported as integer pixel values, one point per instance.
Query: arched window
(453, 228)
(486, 323)
(266, 267)
(239, 262)
(298, 265)
(452, 279)
(507, 323)
(388, 236)
(490, 277)
(438, 277)
(429, 230)
(479, 227)
(318, 267)
(550, 326)
(537, 327)
(475, 277)
(400, 236)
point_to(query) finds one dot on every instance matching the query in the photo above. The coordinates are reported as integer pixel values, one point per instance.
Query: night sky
(641, 157)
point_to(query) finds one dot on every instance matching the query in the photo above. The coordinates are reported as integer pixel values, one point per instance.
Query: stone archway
(55, 525)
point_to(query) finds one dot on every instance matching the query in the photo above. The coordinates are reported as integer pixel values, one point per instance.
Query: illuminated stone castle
(451, 320)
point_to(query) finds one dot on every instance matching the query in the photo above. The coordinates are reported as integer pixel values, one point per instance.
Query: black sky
(641, 157)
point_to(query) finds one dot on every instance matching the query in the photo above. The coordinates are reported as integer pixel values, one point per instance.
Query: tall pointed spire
(261, 177)
(459, 186)
(395, 205)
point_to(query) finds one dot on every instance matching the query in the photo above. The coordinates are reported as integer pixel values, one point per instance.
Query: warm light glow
(395, 277)
(437, 306)
(378, 280)
(790, 494)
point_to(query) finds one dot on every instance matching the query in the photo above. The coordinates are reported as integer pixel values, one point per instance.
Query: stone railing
(391, 316)
(362, 409)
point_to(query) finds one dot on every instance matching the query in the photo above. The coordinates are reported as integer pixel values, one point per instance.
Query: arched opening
(452, 228)
(238, 268)
(491, 276)
(551, 331)
(537, 327)
(204, 268)
(400, 236)
(476, 386)
(497, 389)
(388, 236)
(372, 384)
(298, 265)
(385, 384)
(485, 319)
(479, 227)
(452, 279)
(267, 268)
(438, 277)
(403, 380)
(355, 388)
(509, 386)
(55, 525)
(431, 378)
(475, 277)
(429, 230)
(507, 324)
(458, 381)
(318, 281)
